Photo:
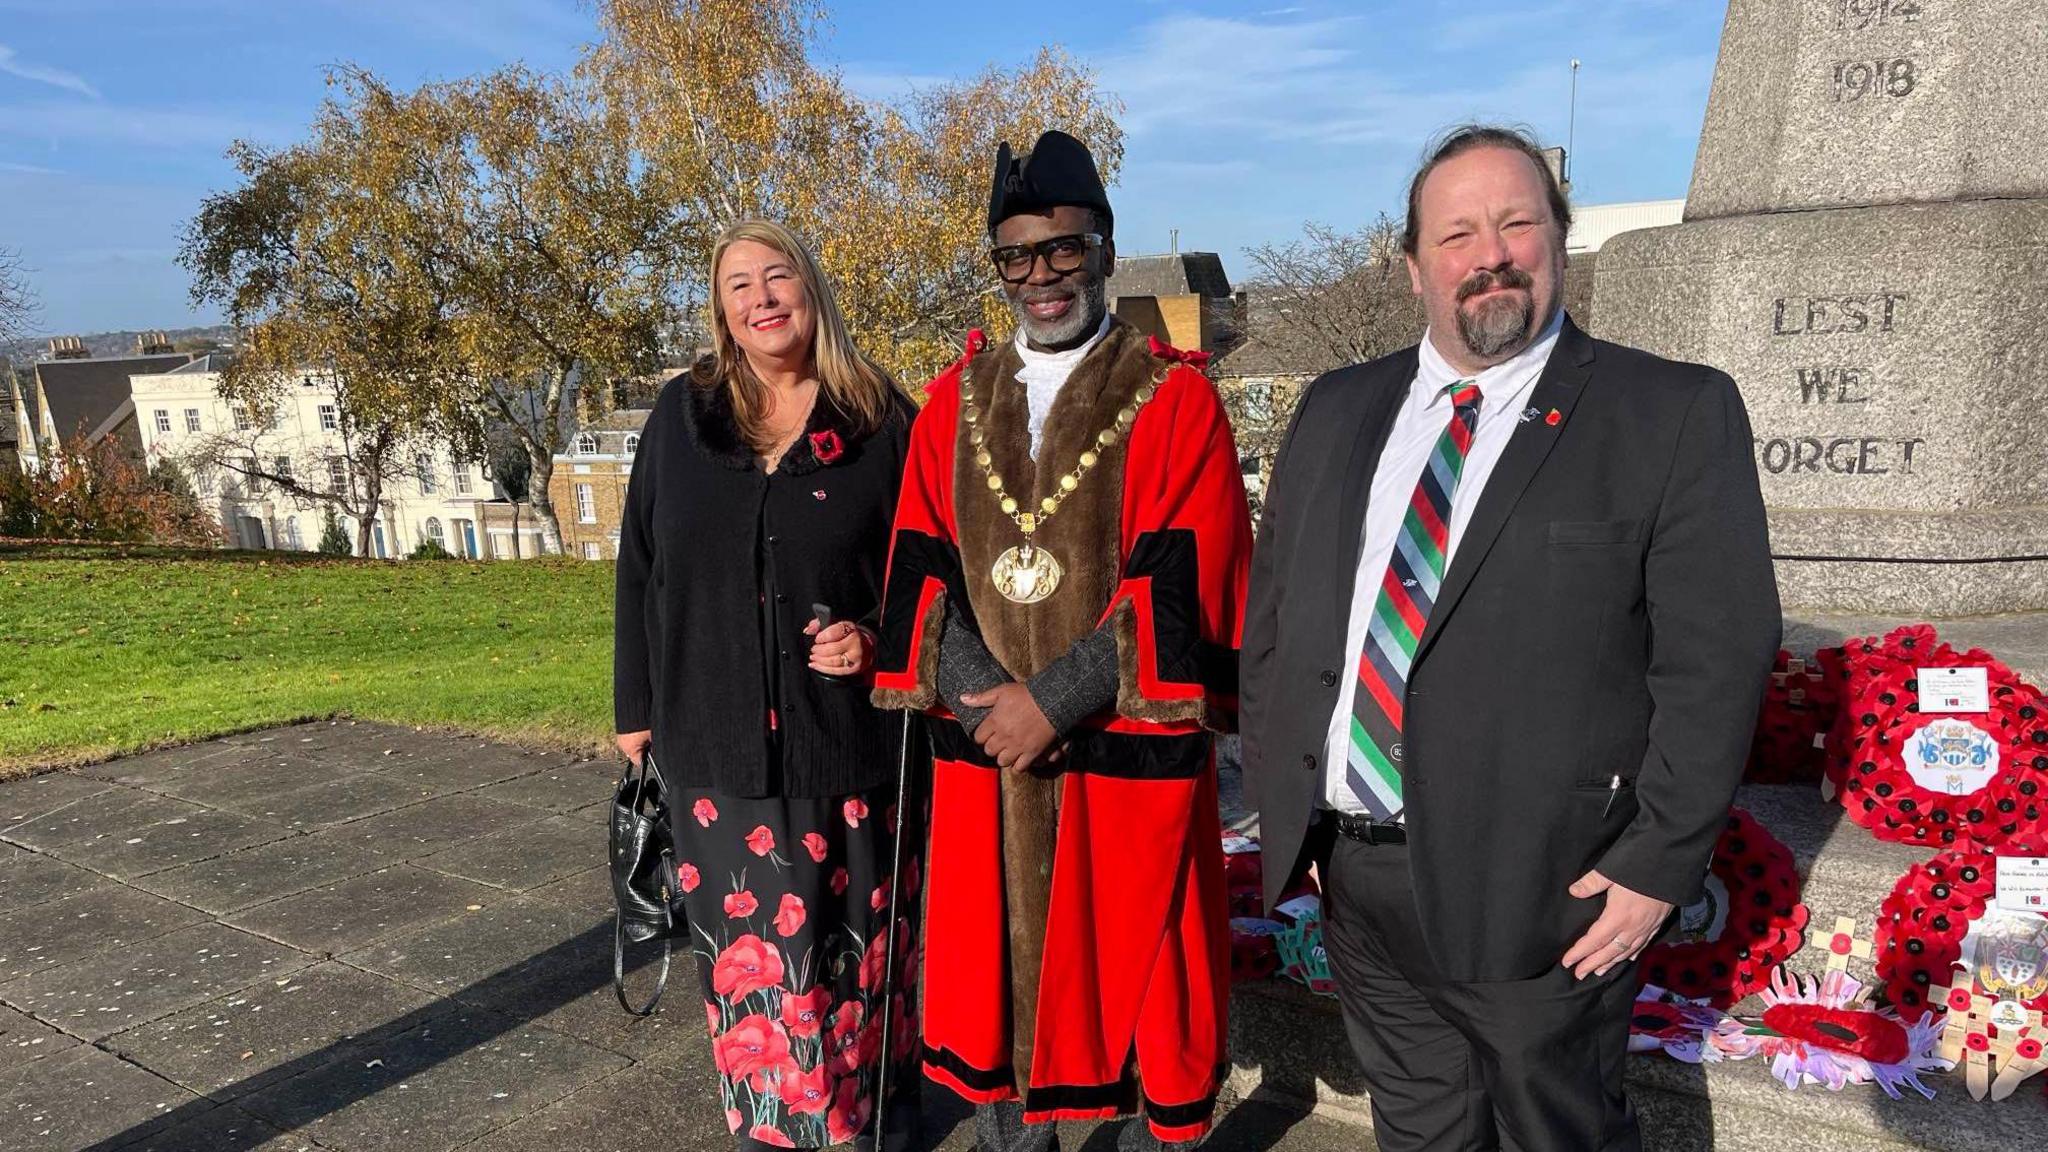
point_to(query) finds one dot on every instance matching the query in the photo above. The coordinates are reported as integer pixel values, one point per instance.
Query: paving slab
(37, 796)
(459, 772)
(222, 1129)
(84, 1096)
(336, 801)
(588, 892)
(523, 858)
(30, 878)
(166, 766)
(106, 916)
(239, 1043)
(243, 783)
(169, 842)
(426, 828)
(268, 871)
(118, 988)
(112, 809)
(548, 964)
(364, 909)
(563, 788)
(671, 1105)
(433, 1087)
(25, 1040)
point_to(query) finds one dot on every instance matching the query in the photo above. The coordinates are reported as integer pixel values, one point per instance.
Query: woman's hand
(842, 649)
(634, 745)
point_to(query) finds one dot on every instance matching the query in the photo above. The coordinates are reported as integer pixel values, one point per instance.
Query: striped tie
(1407, 591)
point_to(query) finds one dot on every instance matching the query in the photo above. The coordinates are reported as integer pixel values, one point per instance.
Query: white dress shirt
(1045, 373)
(1418, 423)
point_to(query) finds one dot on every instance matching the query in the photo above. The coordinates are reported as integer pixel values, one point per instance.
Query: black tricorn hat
(1058, 170)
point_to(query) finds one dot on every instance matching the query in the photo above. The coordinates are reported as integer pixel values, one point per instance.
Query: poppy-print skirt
(788, 902)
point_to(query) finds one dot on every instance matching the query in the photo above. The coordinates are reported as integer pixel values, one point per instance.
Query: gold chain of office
(1027, 573)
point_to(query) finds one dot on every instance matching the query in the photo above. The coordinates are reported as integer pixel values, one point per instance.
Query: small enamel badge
(819, 494)
(1529, 414)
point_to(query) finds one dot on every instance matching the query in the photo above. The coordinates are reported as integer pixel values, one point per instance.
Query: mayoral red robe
(1078, 939)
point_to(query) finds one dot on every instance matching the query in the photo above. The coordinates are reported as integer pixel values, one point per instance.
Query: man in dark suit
(1511, 612)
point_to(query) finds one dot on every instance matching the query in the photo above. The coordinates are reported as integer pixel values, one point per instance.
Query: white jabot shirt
(1418, 423)
(1045, 373)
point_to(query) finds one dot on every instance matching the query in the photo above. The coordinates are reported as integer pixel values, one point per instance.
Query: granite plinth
(1891, 360)
(1835, 103)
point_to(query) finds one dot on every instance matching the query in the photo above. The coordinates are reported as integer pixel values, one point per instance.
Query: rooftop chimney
(153, 344)
(68, 348)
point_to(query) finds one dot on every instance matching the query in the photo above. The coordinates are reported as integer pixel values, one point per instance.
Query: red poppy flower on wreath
(789, 915)
(816, 846)
(849, 1112)
(705, 812)
(1747, 921)
(855, 810)
(747, 965)
(808, 1092)
(754, 1048)
(827, 446)
(1940, 916)
(1939, 779)
(741, 904)
(688, 877)
(805, 1015)
(768, 1134)
(761, 841)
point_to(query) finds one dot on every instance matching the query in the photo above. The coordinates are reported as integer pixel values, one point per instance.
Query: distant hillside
(120, 343)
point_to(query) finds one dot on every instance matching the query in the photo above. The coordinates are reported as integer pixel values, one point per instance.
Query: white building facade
(428, 495)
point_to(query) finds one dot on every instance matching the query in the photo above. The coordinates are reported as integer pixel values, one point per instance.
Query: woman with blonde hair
(750, 568)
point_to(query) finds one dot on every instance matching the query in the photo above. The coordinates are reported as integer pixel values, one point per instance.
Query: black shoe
(1137, 1136)
(1001, 1128)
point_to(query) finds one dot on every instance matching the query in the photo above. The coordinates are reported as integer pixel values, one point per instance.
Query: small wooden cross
(1840, 944)
(1966, 1035)
(2020, 1054)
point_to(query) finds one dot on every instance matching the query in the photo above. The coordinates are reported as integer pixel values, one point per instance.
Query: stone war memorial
(1863, 250)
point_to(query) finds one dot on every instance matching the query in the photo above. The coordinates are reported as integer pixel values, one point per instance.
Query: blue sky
(1243, 120)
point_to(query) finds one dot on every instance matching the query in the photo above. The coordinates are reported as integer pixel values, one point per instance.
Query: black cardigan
(710, 542)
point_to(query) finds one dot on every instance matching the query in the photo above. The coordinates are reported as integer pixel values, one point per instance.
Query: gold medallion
(1026, 574)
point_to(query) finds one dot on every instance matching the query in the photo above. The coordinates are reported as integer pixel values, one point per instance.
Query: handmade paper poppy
(1823, 1031)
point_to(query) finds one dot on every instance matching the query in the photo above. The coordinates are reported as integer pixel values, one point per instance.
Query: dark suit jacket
(1609, 612)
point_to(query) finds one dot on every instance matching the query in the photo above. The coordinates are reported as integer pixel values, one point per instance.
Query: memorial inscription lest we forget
(1864, 250)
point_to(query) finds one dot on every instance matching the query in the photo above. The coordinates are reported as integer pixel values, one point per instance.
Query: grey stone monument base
(1891, 359)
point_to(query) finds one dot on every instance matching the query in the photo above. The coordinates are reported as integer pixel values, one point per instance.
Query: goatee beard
(1496, 326)
(1079, 322)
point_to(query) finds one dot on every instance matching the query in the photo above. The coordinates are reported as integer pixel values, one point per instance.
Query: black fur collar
(708, 412)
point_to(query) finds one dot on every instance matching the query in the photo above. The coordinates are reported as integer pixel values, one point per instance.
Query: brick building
(589, 485)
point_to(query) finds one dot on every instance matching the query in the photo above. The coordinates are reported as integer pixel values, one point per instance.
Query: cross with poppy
(1966, 1036)
(2020, 1054)
(1840, 944)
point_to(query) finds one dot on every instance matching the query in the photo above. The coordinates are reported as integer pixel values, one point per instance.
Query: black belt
(1366, 830)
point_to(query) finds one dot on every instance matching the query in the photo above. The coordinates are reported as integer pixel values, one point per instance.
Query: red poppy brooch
(827, 446)
(1748, 920)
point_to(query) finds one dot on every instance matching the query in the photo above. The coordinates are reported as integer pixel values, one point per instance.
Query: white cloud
(12, 64)
(172, 129)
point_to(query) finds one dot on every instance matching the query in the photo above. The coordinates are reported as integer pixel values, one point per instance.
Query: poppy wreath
(1937, 779)
(1922, 925)
(1823, 1030)
(1870, 678)
(1798, 706)
(1749, 921)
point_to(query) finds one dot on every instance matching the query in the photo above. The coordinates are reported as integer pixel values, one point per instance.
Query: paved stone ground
(351, 937)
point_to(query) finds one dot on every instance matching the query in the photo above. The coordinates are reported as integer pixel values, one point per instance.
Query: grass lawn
(106, 651)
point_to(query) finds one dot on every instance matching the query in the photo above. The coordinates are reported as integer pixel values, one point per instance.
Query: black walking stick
(889, 946)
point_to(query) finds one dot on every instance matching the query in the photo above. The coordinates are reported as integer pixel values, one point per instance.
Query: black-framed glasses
(1062, 254)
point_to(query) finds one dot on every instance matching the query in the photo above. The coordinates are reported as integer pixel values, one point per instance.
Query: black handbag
(642, 857)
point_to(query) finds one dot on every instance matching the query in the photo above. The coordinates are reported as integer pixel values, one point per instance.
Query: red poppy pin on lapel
(1554, 419)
